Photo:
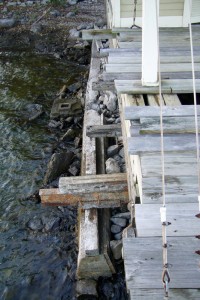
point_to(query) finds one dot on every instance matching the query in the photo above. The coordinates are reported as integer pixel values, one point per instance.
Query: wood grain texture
(182, 219)
(143, 262)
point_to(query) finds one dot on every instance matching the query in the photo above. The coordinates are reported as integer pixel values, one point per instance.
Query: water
(35, 264)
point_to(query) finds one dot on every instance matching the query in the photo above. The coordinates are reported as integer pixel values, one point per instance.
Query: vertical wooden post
(149, 43)
(116, 13)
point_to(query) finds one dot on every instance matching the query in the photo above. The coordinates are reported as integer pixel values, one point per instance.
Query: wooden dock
(141, 135)
(142, 184)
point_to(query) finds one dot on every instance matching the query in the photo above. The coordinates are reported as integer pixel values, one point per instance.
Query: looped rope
(166, 281)
(134, 14)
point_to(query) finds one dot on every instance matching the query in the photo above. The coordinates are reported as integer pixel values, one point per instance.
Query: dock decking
(141, 135)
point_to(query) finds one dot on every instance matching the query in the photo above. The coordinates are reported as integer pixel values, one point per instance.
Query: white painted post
(149, 43)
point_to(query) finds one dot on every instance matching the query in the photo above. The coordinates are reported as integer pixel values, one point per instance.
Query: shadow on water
(37, 244)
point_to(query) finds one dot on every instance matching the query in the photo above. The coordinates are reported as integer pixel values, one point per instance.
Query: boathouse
(153, 65)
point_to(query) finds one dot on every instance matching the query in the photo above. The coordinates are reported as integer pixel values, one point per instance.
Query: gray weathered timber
(171, 100)
(137, 76)
(137, 59)
(170, 125)
(134, 113)
(175, 165)
(144, 266)
(181, 217)
(151, 144)
(135, 68)
(93, 184)
(158, 294)
(110, 130)
(171, 86)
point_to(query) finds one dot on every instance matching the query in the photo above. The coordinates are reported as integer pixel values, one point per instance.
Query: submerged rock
(7, 23)
(35, 224)
(57, 165)
(34, 111)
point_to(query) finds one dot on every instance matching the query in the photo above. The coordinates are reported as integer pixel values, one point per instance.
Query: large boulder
(57, 165)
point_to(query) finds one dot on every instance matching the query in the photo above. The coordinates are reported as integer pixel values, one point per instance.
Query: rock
(34, 111)
(110, 101)
(117, 121)
(57, 165)
(72, 2)
(118, 236)
(121, 152)
(116, 229)
(90, 26)
(51, 223)
(112, 150)
(126, 215)
(86, 287)
(81, 27)
(54, 124)
(73, 170)
(116, 248)
(74, 33)
(119, 221)
(74, 87)
(55, 13)
(70, 14)
(77, 142)
(36, 28)
(7, 23)
(100, 22)
(35, 224)
(69, 135)
(112, 166)
(110, 120)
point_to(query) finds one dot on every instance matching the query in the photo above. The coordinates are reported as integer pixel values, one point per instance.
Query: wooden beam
(97, 34)
(93, 184)
(172, 86)
(112, 130)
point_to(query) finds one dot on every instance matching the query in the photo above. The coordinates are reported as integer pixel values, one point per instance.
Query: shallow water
(40, 263)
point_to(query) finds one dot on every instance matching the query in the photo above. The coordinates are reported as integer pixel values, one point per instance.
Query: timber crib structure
(160, 134)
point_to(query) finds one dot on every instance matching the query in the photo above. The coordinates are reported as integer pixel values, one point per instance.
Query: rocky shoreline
(56, 34)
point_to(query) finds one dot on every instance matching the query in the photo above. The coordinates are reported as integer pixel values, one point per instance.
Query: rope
(134, 14)
(165, 273)
(195, 102)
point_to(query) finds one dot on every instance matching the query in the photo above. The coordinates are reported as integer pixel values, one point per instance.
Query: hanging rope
(163, 209)
(195, 102)
(134, 14)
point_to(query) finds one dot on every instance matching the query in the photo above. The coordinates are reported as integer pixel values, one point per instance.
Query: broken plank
(93, 184)
(111, 130)
(152, 144)
(134, 113)
(171, 86)
(53, 197)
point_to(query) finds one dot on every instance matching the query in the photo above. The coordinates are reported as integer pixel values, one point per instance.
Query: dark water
(40, 263)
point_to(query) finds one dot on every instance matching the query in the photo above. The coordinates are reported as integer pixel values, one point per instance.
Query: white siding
(167, 8)
(195, 11)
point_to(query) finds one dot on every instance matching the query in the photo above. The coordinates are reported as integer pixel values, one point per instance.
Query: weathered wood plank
(174, 165)
(137, 76)
(143, 262)
(174, 86)
(158, 294)
(134, 113)
(170, 125)
(136, 59)
(93, 184)
(172, 143)
(54, 197)
(135, 68)
(110, 130)
(171, 100)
